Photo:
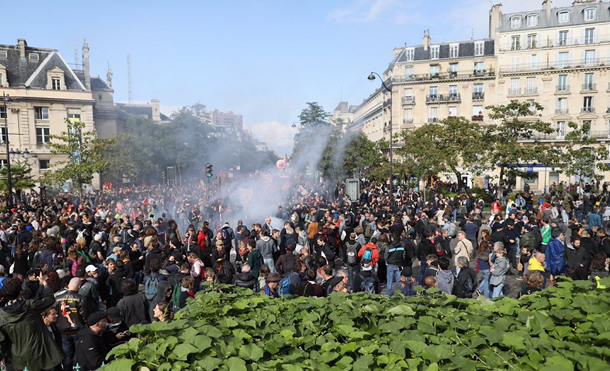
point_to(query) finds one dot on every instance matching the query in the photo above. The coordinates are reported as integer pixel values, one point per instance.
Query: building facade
(557, 57)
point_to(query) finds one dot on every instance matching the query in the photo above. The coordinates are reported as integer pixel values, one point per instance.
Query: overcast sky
(262, 59)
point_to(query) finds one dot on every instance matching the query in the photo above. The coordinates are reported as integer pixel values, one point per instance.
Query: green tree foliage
(510, 140)
(583, 156)
(449, 146)
(313, 126)
(21, 177)
(565, 327)
(81, 155)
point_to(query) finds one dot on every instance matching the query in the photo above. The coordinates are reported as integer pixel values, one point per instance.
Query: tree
(21, 177)
(511, 143)
(453, 144)
(361, 155)
(313, 126)
(583, 156)
(82, 153)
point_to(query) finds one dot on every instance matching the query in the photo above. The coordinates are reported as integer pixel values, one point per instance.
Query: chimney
(426, 39)
(22, 45)
(546, 6)
(86, 65)
(495, 19)
(156, 110)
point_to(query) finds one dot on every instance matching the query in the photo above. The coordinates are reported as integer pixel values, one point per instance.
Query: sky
(262, 59)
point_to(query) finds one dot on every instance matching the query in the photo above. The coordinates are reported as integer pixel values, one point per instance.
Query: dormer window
(454, 50)
(563, 17)
(34, 57)
(532, 20)
(515, 22)
(3, 54)
(410, 54)
(434, 52)
(589, 14)
(56, 79)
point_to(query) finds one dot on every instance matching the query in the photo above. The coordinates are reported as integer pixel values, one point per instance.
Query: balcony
(530, 90)
(589, 87)
(587, 110)
(407, 121)
(432, 120)
(410, 100)
(478, 95)
(477, 118)
(600, 134)
(475, 74)
(561, 111)
(514, 92)
(559, 42)
(435, 75)
(563, 89)
(556, 65)
(443, 98)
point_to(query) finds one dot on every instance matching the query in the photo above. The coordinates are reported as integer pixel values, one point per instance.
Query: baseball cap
(90, 268)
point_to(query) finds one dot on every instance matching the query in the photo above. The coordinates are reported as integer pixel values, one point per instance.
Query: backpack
(289, 263)
(150, 287)
(352, 253)
(225, 235)
(439, 249)
(367, 285)
(2, 280)
(287, 286)
(367, 256)
(176, 295)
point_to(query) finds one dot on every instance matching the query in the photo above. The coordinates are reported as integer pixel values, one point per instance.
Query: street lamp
(9, 198)
(372, 77)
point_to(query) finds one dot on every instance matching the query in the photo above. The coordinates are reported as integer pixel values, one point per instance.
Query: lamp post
(9, 199)
(372, 77)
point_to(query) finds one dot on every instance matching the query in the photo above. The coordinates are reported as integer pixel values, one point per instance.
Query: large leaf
(251, 352)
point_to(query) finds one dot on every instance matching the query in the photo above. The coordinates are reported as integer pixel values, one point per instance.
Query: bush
(565, 327)
(481, 193)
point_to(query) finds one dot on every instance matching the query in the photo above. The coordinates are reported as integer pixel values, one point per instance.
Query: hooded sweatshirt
(265, 247)
(445, 281)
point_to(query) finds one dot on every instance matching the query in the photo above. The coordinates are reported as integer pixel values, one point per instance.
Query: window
(433, 91)
(2, 113)
(1, 79)
(515, 43)
(563, 17)
(3, 54)
(533, 59)
(589, 14)
(434, 68)
(56, 83)
(562, 83)
(454, 50)
(515, 22)
(515, 62)
(3, 136)
(587, 104)
(410, 54)
(433, 114)
(589, 35)
(562, 106)
(479, 68)
(514, 87)
(434, 52)
(589, 57)
(453, 91)
(41, 113)
(479, 48)
(3, 163)
(532, 20)
(42, 135)
(531, 41)
(452, 111)
(453, 69)
(409, 115)
(562, 60)
(34, 57)
(561, 129)
(43, 164)
(563, 37)
(408, 92)
(477, 110)
(589, 83)
(530, 85)
(408, 71)
(73, 115)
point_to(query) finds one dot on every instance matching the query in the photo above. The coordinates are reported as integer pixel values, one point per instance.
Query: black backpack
(288, 265)
(367, 285)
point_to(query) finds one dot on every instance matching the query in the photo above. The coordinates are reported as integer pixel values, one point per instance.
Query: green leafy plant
(565, 327)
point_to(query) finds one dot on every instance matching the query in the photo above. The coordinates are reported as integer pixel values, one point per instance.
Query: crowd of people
(75, 274)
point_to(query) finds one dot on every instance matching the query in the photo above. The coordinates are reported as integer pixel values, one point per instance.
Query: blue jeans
(269, 262)
(422, 271)
(68, 344)
(484, 285)
(497, 291)
(393, 275)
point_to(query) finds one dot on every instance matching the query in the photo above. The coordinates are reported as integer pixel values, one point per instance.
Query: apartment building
(557, 57)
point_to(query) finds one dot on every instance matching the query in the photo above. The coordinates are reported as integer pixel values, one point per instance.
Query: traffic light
(208, 170)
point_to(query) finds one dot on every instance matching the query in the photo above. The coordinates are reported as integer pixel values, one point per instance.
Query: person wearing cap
(407, 282)
(88, 289)
(23, 330)
(271, 288)
(91, 349)
(117, 331)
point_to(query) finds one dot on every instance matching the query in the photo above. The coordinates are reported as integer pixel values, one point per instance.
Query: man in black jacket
(91, 348)
(466, 281)
(426, 247)
(72, 313)
(395, 257)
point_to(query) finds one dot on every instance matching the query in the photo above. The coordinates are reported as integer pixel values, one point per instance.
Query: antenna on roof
(129, 92)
